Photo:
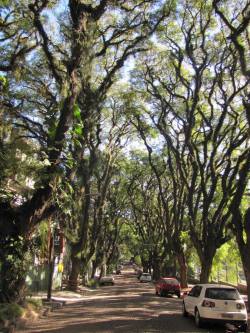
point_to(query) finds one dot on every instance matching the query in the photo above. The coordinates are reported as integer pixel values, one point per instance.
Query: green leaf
(77, 112)
(78, 130)
(4, 3)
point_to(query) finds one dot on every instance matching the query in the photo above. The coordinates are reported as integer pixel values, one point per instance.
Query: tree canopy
(124, 120)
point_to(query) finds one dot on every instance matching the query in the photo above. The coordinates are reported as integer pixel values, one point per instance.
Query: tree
(173, 199)
(63, 67)
(146, 215)
(91, 186)
(192, 99)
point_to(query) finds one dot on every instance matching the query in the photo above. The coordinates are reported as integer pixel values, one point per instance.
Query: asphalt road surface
(128, 306)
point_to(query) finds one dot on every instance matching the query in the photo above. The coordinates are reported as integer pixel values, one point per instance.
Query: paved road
(127, 307)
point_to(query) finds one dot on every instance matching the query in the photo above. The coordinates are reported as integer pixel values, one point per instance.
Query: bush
(10, 311)
(34, 303)
(93, 283)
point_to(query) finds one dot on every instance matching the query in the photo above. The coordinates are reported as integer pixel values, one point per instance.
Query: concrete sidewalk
(66, 296)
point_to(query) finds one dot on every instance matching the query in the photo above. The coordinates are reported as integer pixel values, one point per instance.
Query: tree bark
(206, 267)
(243, 244)
(247, 274)
(183, 269)
(94, 267)
(156, 268)
(75, 270)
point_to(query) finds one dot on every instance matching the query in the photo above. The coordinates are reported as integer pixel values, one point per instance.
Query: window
(195, 292)
(172, 281)
(222, 293)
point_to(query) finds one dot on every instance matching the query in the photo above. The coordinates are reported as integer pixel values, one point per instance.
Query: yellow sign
(60, 267)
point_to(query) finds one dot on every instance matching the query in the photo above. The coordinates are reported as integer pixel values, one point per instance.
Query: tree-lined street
(124, 137)
(127, 307)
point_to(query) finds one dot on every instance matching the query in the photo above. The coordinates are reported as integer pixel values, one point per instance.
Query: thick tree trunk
(156, 268)
(145, 266)
(245, 259)
(183, 269)
(243, 243)
(94, 267)
(206, 267)
(247, 275)
(103, 270)
(74, 274)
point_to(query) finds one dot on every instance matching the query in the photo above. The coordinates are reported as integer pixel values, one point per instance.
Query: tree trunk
(103, 270)
(75, 270)
(240, 227)
(247, 275)
(94, 267)
(156, 268)
(183, 269)
(51, 266)
(206, 267)
(244, 249)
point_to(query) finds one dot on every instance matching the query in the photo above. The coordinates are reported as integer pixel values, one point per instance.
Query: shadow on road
(127, 307)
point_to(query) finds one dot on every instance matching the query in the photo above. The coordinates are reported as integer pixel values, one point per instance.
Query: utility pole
(51, 264)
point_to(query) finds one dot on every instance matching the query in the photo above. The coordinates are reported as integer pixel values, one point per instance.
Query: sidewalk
(66, 296)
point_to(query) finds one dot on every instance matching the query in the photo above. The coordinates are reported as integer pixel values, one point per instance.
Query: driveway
(128, 306)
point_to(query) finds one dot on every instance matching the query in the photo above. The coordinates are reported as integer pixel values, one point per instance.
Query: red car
(168, 285)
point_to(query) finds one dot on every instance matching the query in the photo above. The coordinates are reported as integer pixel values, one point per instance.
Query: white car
(108, 279)
(215, 303)
(145, 277)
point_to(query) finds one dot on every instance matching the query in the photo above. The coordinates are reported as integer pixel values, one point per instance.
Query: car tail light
(240, 306)
(208, 304)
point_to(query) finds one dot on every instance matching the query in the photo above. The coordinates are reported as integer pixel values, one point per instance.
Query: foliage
(128, 123)
(93, 283)
(34, 303)
(226, 267)
(10, 311)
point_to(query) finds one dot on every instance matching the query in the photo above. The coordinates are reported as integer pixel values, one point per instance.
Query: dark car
(168, 285)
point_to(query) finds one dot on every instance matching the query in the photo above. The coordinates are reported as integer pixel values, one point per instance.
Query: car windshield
(172, 281)
(222, 293)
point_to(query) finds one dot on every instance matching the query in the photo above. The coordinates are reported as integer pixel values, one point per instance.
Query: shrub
(34, 303)
(10, 311)
(93, 283)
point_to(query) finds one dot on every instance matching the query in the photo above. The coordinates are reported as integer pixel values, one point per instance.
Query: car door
(159, 285)
(191, 300)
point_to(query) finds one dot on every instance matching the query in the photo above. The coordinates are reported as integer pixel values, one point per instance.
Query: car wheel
(197, 318)
(156, 292)
(184, 311)
(178, 295)
(244, 328)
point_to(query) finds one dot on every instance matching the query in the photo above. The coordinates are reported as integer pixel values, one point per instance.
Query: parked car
(145, 277)
(107, 280)
(168, 285)
(216, 303)
(139, 273)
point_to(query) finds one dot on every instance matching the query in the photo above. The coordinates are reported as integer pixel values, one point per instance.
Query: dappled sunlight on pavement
(128, 306)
